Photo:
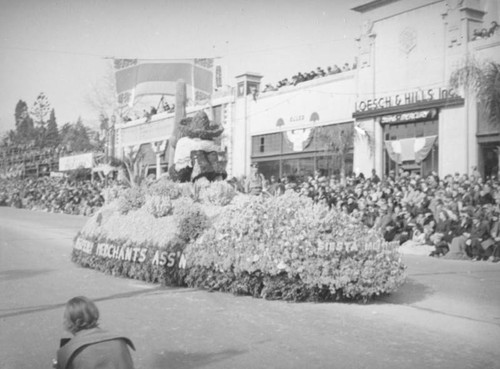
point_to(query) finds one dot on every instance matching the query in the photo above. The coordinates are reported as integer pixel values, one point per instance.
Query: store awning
(410, 149)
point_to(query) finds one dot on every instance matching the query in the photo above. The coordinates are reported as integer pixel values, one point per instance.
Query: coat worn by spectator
(91, 347)
(95, 348)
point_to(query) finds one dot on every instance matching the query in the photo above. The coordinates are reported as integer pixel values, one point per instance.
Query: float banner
(133, 254)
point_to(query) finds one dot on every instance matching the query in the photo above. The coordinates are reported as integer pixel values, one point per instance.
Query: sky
(62, 47)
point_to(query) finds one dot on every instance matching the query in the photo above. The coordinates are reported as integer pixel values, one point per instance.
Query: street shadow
(409, 293)
(40, 308)
(191, 360)
(15, 274)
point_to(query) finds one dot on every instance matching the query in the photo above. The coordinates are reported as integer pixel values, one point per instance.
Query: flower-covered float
(204, 234)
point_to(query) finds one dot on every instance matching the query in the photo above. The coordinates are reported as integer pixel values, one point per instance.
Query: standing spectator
(375, 178)
(255, 181)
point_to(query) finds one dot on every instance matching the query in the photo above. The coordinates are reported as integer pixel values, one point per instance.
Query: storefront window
(280, 155)
(266, 144)
(269, 168)
(290, 167)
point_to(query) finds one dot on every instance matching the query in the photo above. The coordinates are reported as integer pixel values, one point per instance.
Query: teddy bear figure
(196, 154)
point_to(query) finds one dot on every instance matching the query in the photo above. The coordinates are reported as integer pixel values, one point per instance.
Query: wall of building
(408, 55)
(319, 102)
(452, 141)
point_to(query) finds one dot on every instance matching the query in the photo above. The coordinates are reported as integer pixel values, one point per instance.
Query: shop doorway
(488, 159)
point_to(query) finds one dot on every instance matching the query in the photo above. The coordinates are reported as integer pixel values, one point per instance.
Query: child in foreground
(91, 347)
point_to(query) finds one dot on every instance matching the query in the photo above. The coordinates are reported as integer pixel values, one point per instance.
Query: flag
(135, 77)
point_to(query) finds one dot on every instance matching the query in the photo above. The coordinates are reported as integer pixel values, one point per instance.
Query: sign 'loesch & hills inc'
(432, 97)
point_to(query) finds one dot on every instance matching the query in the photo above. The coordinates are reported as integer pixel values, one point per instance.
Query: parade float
(192, 228)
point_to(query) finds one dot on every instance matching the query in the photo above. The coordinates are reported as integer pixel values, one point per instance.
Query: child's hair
(81, 313)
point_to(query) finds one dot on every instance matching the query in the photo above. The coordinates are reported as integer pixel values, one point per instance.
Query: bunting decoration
(299, 138)
(410, 149)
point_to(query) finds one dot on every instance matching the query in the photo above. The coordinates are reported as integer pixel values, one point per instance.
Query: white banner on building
(76, 161)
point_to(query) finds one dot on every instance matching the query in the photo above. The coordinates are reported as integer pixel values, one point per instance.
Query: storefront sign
(296, 118)
(76, 161)
(407, 98)
(408, 117)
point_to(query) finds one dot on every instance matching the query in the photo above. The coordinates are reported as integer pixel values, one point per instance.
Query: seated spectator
(491, 246)
(479, 232)
(269, 87)
(441, 246)
(476, 34)
(165, 105)
(493, 29)
(460, 234)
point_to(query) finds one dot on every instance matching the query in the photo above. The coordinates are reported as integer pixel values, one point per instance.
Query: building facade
(395, 111)
(407, 53)
(290, 131)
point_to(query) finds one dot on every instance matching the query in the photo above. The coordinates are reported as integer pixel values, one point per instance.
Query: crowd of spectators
(163, 107)
(483, 33)
(307, 76)
(455, 217)
(28, 153)
(56, 195)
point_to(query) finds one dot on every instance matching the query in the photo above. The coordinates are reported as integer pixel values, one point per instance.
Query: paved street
(446, 316)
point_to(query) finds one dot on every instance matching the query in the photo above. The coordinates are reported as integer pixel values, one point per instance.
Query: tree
(134, 169)
(482, 79)
(5, 139)
(39, 111)
(25, 130)
(338, 141)
(52, 135)
(102, 97)
(75, 137)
